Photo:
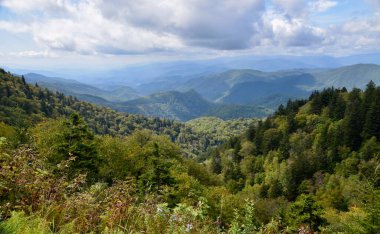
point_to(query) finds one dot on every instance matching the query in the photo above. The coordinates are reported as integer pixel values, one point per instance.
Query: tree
(60, 140)
(216, 162)
(306, 211)
(372, 119)
(79, 143)
(353, 123)
(23, 80)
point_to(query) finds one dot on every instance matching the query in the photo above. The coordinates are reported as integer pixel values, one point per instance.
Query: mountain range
(186, 106)
(82, 90)
(169, 73)
(228, 94)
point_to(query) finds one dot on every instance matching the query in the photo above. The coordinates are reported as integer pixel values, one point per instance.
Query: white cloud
(216, 24)
(291, 32)
(34, 54)
(114, 27)
(14, 27)
(84, 29)
(127, 26)
(361, 34)
(26, 6)
(292, 7)
(322, 5)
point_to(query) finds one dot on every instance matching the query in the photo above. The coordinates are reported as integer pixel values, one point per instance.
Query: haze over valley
(237, 93)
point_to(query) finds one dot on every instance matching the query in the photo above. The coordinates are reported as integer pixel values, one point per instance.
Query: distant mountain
(251, 87)
(350, 76)
(82, 91)
(172, 104)
(229, 94)
(178, 72)
(186, 106)
(270, 89)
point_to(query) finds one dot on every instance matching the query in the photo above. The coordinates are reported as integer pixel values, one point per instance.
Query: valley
(59, 153)
(231, 94)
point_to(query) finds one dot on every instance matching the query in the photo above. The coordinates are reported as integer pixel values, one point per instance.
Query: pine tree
(372, 119)
(23, 80)
(79, 143)
(353, 123)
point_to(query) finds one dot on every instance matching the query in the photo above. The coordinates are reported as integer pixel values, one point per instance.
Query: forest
(68, 166)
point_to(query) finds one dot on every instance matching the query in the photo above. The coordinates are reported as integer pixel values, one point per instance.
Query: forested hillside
(187, 106)
(181, 106)
(67, 167)
(239, 93)
(321, 156)
(78, 89)
(23, 105)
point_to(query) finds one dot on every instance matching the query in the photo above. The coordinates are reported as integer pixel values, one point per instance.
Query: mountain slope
(269, 93)
(23, 105)
(244, 87)
(173, 105)
(186, 106)
(350, 76)
(181, 71)
(270, 89)
(251, 87)
(75, 88)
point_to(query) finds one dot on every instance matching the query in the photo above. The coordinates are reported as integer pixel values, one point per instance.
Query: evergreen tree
(79, 143)
(372, 120)
(23, 80)
(353, 123)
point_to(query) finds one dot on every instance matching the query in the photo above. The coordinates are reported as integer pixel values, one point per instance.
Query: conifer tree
(353, 122)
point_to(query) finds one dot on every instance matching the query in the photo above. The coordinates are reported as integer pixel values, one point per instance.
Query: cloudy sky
(80, 33)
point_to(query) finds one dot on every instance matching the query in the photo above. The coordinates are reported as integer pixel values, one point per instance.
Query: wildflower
(173, 218)
(189, 226)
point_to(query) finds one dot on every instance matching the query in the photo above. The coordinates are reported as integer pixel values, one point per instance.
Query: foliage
(23, 105)
(295, 171)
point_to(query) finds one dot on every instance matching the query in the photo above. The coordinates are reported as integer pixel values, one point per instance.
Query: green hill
(231, 94)
(75, 88)
(186, 106)
(312, 167)
(23, 105)
(270, 89)
(251, 87)
(350, 76)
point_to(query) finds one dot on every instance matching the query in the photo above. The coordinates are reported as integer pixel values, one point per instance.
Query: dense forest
(23, 105)
(72, 167)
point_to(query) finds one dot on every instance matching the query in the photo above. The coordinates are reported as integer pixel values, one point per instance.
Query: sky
(99, 34)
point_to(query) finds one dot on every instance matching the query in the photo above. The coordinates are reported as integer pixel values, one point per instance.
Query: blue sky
(99, 34)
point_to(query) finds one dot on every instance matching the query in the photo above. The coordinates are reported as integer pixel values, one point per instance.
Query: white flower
(189, 226)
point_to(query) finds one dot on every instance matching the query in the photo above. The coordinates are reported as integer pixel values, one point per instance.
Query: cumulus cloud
(361, 34)
(291, 32)
(138, 26)
(87, 31)
(302, 8)
(42, 6)
(322, 5)
(82, 28)
(214, 24)
(145, 26)
(14, 27)
(292, 7)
